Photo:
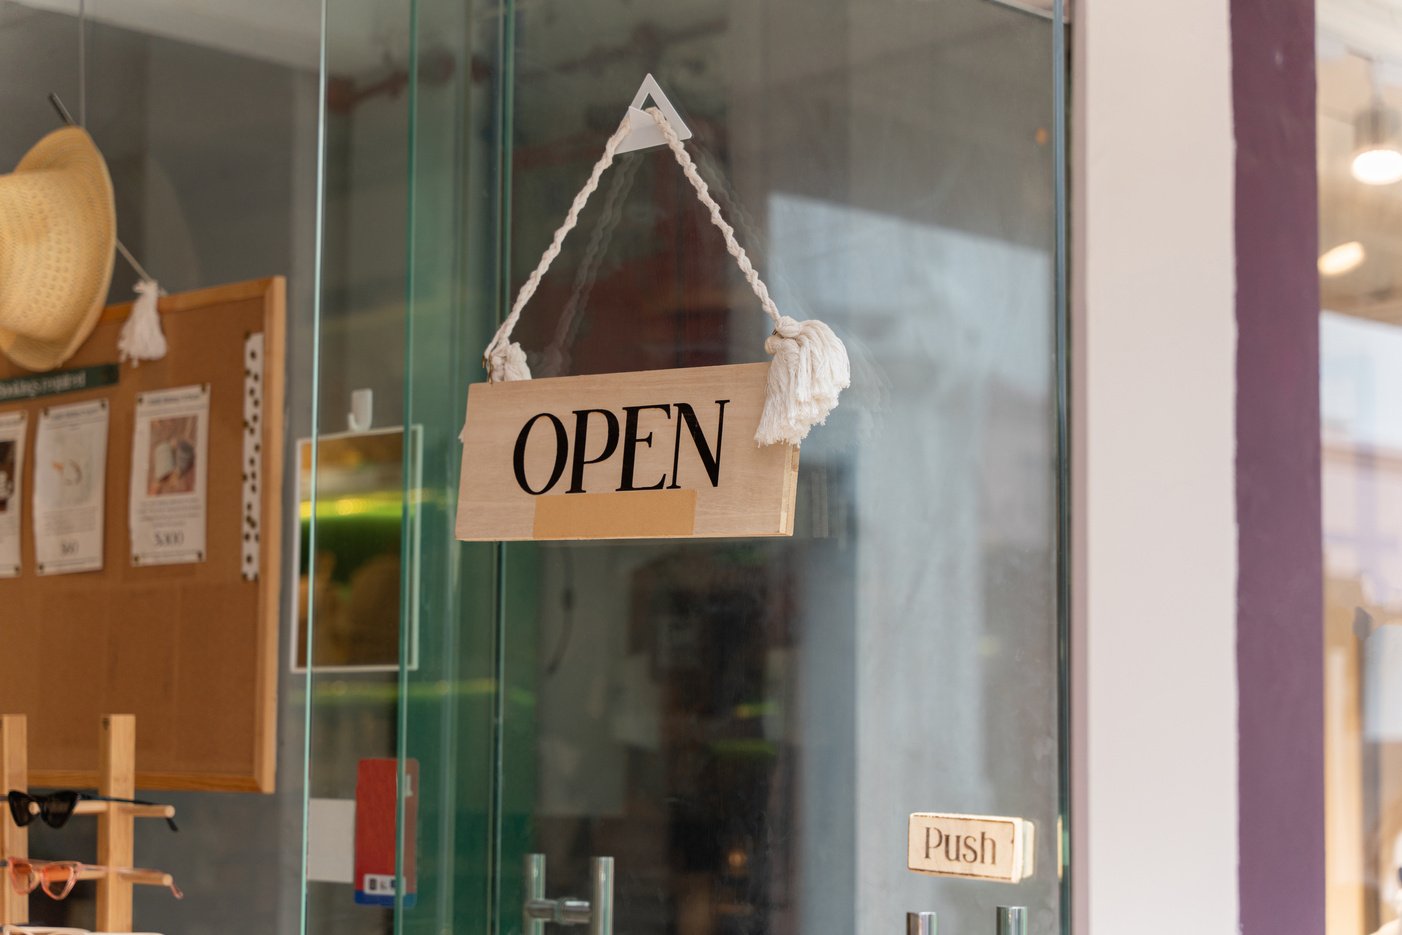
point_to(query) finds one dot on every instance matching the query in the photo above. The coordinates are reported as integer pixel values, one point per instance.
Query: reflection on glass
(361, 540)
(1362, 476)
(1361, 377)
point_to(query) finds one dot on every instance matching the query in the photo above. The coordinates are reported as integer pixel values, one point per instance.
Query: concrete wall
(1155, 842)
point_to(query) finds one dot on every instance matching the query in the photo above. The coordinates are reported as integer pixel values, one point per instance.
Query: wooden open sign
(648, 455)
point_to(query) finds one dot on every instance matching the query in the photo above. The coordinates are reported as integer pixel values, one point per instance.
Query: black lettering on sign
(581, 437)
(710, 459)
(630, 445)
(709, 454)
(518, 458)
(965, 848)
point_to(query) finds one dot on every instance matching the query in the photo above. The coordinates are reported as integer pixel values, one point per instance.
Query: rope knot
(785, 327)
(809, 370)
(505, 362)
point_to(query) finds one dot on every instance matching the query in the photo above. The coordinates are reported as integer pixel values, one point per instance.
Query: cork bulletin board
(190, 649)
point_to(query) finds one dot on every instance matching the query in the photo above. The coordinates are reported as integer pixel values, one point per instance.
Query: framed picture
(366, 559)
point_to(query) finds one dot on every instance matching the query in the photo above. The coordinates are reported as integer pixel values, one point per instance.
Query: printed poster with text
(70, 476)
(12, 430)
(168, 493)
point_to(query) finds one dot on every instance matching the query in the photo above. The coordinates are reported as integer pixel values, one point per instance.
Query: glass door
(745, 726)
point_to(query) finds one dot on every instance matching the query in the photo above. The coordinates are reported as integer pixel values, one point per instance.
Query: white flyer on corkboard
(12, 431)
(168, 492)
(70, 476)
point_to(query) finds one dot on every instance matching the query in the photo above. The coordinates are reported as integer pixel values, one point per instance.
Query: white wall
(1154, 388)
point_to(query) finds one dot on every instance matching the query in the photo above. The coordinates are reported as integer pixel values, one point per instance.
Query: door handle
(1012, 920)
(921, 923)
(597, 912)
(601, 885)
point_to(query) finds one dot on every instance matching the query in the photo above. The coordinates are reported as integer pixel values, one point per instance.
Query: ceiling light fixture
(1345, 258)
(1377, 153)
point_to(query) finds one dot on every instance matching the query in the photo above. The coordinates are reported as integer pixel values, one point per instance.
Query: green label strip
(61, 381)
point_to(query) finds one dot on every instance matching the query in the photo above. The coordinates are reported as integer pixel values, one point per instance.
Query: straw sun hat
(58, 231)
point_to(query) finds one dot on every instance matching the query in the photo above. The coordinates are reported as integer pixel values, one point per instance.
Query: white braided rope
(498, 347)
(703, 192)
(499, 342)
(808, 366)
(555, 355)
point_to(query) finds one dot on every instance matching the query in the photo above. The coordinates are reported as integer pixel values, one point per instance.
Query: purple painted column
(1280, 589)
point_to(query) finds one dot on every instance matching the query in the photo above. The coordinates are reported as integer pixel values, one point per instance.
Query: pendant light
(1377, 153)
(1377, 150)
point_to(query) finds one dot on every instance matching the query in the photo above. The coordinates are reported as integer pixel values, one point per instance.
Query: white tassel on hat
(809, 366)
(809, 369)
(142, 337)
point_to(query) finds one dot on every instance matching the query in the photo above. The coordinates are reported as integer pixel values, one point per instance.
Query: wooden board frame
(580, 457)
(225, 628)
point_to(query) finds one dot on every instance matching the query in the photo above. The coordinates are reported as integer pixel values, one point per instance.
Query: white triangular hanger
(643, 132)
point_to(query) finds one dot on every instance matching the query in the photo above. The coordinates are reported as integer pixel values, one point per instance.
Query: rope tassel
(142, 337)
(809, 366)
(809, 370)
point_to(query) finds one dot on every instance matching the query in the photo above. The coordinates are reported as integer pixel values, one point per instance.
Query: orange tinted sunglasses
(58, 877)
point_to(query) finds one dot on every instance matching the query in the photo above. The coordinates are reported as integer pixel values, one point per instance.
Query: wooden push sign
(654, 454)
(971, 846)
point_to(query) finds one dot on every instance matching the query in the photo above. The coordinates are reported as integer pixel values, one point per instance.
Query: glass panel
(359, 545)
(207, 120)
(745, 726)
(452, 701)
(1360, 91)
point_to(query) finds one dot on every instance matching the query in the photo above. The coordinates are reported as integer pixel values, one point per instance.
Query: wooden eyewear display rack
(115, 820)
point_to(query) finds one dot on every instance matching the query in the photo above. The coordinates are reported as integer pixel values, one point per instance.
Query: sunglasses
(57, 807)
(58, 877)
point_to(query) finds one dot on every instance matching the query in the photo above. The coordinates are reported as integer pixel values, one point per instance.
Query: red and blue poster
(376, 832)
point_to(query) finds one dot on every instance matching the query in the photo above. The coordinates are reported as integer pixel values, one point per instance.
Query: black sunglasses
(57, 807)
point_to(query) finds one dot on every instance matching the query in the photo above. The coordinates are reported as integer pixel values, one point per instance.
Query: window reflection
(1360, 88)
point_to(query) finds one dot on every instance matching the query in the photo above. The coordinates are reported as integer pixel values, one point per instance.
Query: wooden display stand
(14, 840)
(115, 820)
